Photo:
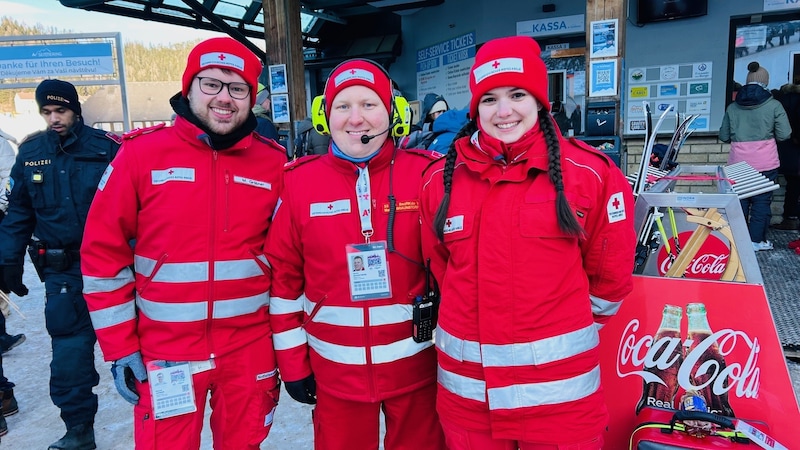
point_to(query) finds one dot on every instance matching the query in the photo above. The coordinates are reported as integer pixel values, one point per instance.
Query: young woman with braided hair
(531, 239)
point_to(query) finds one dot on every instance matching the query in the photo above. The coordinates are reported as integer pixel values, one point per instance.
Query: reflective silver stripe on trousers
(113, 315)
(350, 316)
(94, 285)
(542, 351)
(462, 386)
(194, 311)
(197, 272)
(289, 338)
(279, 305)
(545, 393)
(603, 307)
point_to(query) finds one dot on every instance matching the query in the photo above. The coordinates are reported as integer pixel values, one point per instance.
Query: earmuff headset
(400, 115)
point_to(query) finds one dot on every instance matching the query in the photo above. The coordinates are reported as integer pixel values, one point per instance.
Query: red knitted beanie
(225, 53)
(514, 61)
(358, 72)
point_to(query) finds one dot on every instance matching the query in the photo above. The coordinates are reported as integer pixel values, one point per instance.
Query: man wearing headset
(343, 338)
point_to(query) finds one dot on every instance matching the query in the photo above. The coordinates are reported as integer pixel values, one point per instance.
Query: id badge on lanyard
(368, 266)
(367, 263)
(171, 388)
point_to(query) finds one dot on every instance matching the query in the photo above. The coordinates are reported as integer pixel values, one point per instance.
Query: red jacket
(516, 336)
(357, 350)
(192, 223)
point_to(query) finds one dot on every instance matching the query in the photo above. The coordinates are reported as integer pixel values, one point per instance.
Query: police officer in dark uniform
(53, 182)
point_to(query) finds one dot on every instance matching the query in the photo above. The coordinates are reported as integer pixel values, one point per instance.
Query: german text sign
(58, 60)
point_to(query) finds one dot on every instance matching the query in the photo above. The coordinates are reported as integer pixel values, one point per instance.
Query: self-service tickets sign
(674, 335)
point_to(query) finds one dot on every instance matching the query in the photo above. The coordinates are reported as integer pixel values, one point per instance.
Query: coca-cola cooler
(697, 322)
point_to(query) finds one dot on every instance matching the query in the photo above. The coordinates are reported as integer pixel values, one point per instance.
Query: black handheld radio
(425, 308)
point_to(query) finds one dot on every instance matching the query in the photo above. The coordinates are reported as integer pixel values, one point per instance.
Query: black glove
(304, 391)
(12, 280)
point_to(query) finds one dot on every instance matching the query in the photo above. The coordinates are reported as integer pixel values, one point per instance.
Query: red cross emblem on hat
(221, 57)
(496, 64)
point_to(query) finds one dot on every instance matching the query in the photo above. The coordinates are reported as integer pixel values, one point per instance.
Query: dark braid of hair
(566, 218)
(447, 177)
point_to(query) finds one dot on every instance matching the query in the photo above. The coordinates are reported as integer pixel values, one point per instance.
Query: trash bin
(601, 119)
(610, 145)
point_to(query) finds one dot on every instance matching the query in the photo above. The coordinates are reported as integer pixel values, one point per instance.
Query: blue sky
(53, 13)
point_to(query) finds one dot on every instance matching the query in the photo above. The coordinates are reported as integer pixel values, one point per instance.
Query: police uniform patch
(104, 179)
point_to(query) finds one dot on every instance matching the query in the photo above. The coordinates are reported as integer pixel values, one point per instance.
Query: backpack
(419, 139)
(302, 144)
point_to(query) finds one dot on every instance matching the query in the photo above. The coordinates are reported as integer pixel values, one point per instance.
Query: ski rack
(718, 214)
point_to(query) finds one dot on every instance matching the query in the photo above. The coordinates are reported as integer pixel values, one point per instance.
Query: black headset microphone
(365, 139)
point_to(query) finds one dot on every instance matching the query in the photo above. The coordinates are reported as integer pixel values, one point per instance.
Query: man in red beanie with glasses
(174, 272)
(348, 273)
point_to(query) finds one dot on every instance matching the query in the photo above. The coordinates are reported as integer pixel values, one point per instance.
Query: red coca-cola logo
(709, 263)
(639, 351)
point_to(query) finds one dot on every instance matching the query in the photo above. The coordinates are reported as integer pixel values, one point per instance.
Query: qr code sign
(604, 76)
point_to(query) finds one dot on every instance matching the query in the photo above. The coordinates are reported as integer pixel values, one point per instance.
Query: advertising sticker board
(749, 367)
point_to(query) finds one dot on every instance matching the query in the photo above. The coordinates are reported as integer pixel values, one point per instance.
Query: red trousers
(463, 439)
(411, 422)
(244, 392)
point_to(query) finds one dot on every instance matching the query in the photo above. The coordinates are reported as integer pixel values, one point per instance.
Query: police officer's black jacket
(53, 183)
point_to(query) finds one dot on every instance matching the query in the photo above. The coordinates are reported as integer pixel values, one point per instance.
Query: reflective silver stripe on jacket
(94, 285)
(194, 311)
(349, 316)
(346, 316)
(279, 305)
(389, 314)
(545, 393)
(113, 315)
(354, 356)
(522, 395)
(289, 338)
(462, 386)
(603, 307)
(458, 349)
(357, 356)
(508, 355)
(225, 309)
(197, 272)
(397, 350)
(542, 351)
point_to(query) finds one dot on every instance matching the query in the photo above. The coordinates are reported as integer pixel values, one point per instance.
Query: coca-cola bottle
(663, 360)
(699, 330)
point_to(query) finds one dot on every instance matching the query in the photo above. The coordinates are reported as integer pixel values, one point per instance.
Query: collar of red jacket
(191, 133)
(379, 161)
(486, 155)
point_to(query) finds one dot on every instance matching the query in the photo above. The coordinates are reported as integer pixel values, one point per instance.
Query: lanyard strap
(363, 198)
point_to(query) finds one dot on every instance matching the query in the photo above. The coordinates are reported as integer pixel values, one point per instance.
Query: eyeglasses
(212, 86)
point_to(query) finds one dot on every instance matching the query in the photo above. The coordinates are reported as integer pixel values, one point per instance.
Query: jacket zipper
(227, 199)
(211, 255)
